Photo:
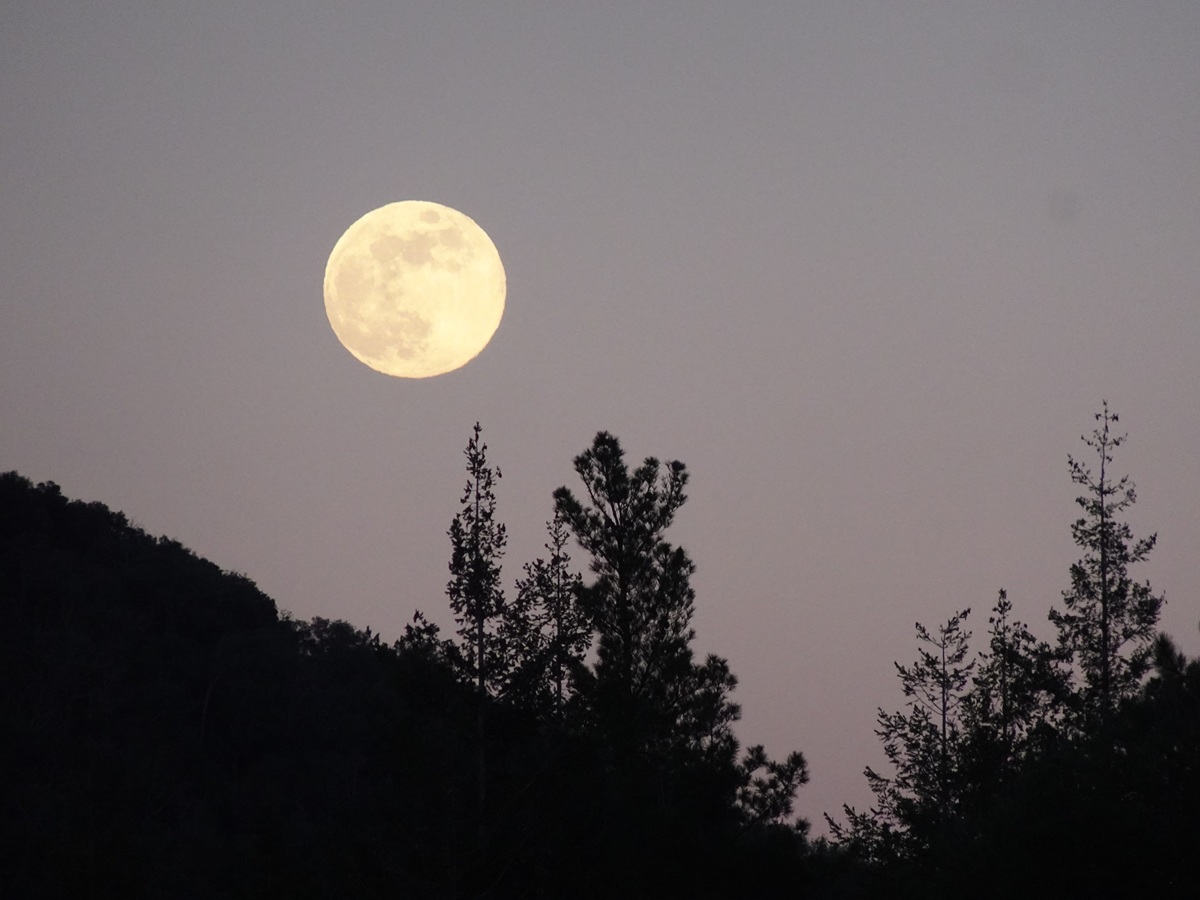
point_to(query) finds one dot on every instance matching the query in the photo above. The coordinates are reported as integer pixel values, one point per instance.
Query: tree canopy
(168, 732)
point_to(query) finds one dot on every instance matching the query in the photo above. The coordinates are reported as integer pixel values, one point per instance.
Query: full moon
(414, 289)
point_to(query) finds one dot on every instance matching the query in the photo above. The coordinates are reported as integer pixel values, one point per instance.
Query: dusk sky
(868, 269)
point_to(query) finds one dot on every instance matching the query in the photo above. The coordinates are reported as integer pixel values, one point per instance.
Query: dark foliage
(546, 631)
(1053, 771)
(662, 714)
(168, 734)
(1107, 626)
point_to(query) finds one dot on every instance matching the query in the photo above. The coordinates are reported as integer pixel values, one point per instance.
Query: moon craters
(414, 289)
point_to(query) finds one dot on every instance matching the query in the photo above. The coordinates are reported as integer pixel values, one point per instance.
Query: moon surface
(414, 289)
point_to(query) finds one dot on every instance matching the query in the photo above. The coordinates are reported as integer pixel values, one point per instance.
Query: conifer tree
(478, 539)
(544, 628)
(652, 696)
(768, 787)
(641, 601)
(1011, 713)
(1016, 688)
(923, 744)
(667, 719)
(1107, 626)
(916, 805)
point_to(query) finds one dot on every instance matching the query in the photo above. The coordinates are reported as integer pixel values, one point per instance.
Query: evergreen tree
(1108, 623)
(1012, 704)
(653, 704)
(478, 540)
(641, 601)
(1060, 770)
(477, 598)
(544, 628)
(665, 721)
(1011, 715)
(916, 807)
(768, 787)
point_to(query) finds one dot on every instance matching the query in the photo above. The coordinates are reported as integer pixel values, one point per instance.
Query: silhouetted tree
(1107, 626)
(1012, 707)
(422, 637)
(768, 789)
(545, 629)
(1158, 732)
(641, 603)
(665, 720)
(915, 806)
(478, 540)
(168, 734)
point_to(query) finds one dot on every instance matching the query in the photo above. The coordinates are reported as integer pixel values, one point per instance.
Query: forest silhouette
(168, 732)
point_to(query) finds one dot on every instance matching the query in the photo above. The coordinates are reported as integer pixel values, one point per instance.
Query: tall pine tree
(917, 807)
(477, 539)
(1107, 626)
(653, 700)
(545, 630)
(1011, 708)
(641, 600)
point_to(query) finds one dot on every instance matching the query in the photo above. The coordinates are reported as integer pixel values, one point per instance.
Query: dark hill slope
(164, 732)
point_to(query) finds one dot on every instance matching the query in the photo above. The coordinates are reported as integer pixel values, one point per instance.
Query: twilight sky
(866, 268)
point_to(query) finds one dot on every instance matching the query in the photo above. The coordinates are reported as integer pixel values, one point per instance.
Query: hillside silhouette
(167, 732)
(170, 734)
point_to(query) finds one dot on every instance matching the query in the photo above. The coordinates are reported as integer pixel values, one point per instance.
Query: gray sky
(867, 268)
